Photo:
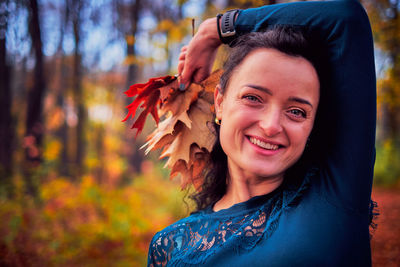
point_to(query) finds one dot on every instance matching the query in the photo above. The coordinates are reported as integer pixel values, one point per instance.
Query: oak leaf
(166, 127)
(147, 97)
(212, 81)
(200, 113)
(178, 102)
(186, 134)
(192, 173)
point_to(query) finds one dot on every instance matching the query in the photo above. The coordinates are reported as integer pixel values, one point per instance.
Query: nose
(271, 123)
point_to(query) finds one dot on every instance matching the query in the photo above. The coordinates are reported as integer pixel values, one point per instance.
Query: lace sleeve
(158, 255)
(164, 243)
(150, 255)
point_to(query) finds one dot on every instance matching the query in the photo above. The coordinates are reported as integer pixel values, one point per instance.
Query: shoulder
(169, 240)
(346, 11)
(171, 230)
(180, 224)
(336, 15)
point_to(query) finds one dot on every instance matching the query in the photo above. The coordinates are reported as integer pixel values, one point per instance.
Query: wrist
(209, 32)
(226, 26)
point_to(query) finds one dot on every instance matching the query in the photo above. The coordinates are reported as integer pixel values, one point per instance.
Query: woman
(265, 202)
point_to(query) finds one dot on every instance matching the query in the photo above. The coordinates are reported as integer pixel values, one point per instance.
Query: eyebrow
(300, 100)
(268, 91)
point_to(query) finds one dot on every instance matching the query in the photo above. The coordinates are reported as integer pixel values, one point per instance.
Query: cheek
(233, 126)
(227, 141)
(299, 135)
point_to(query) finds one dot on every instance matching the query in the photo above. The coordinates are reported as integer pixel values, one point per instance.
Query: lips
(264, 144)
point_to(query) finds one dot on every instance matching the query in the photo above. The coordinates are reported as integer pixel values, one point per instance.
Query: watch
(227, 31)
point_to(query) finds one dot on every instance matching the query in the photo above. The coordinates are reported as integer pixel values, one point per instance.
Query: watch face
(227, 24)
(228, 34)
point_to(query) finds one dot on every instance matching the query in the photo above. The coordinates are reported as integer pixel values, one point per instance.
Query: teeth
(263, 144)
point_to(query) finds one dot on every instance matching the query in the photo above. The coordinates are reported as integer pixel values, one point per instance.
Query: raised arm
(340, 32)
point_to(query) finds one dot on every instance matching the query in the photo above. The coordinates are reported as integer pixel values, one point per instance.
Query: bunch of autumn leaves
(185, 134)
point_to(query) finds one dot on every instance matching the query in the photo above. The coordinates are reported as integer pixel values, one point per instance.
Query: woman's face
(267, 113)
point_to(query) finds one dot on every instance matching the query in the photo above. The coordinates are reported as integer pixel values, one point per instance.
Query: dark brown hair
(286, 39)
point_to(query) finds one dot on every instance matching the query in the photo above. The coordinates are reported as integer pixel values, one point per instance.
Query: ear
(218, 101)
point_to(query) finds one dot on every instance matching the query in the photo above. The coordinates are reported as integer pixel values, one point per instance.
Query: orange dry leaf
(178, 102)
(192, 172)
(211, 82)
(181, 168)
(165, 128)
(185, 134)
(180, 157)
(200, 114)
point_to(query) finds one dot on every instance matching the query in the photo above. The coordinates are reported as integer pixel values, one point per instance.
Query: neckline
(243, 207)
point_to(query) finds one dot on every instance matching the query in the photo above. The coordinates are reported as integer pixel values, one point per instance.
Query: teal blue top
(322, 218)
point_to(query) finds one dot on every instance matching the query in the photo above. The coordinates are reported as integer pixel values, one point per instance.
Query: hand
(197, 58)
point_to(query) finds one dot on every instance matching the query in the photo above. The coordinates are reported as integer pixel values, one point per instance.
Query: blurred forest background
(74, 187)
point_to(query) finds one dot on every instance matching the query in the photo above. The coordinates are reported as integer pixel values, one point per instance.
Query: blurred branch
(34, 121)
(80, 145)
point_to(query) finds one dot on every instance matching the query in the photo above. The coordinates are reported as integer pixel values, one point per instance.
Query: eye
(252, 98)
(297, 113)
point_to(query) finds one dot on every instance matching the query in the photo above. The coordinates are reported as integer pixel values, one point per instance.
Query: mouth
(263, 144)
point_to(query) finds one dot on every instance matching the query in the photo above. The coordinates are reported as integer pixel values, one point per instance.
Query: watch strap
(219, 27)
(227, 31)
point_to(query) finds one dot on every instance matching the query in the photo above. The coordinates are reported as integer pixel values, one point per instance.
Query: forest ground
(385, 243)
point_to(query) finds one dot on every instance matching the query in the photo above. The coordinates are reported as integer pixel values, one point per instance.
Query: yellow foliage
(55, 188)
(115, 166)
(86, 223)
(87, 182)
(112, 143)
(176, 34)
(130, 39)
(92, 162)
(55, 118)
(130, 60)
(165, 25)
(181, 2)
(52, 150)
(175, 31)
(249, 3)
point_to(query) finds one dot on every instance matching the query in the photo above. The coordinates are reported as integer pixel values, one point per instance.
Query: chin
(265, 171)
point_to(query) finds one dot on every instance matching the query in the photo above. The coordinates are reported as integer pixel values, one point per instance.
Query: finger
(186, 75)
(182, 56)
(181, 64)
(200, 75)
(184, 48)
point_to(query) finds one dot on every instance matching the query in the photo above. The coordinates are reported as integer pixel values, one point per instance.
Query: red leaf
(147, 97)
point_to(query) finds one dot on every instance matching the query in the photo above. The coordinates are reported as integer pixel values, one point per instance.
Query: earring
(217, 121)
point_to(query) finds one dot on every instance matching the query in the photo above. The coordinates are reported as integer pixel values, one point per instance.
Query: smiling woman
(267, 110)
(291, 174)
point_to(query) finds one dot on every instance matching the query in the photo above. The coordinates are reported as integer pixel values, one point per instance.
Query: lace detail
(373, 216)
(191, 241)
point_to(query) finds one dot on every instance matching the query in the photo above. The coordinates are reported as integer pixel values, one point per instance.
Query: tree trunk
(6, 122)
(135, 158)
(62, 133)
(77, 87)
(130, 45)
(34, 121)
